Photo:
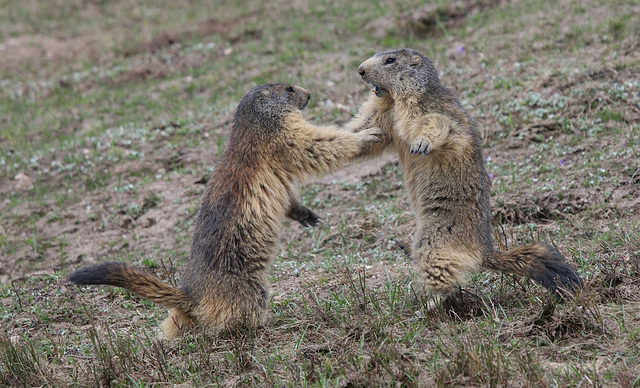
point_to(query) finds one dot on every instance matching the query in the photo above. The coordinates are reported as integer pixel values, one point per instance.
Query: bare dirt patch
(432, 19)
(35, 51)
(231, 30)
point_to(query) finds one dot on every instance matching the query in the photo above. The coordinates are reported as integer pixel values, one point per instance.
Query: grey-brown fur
(445, 177)
(271, 150)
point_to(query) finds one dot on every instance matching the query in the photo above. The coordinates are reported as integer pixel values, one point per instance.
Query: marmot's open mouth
(378, 91)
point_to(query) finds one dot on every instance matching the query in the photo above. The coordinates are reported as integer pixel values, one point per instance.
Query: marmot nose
(361, 70)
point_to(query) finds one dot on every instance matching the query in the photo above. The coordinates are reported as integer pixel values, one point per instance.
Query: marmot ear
(415, 60)
(265, 93)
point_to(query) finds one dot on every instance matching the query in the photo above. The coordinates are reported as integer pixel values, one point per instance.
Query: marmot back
(271, 150)
(445, 178)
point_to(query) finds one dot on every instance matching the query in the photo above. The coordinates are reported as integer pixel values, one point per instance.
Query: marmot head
(265, 107)
(403, 71)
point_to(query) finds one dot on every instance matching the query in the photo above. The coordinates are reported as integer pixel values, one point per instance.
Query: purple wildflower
(460, 49)
(562, 163)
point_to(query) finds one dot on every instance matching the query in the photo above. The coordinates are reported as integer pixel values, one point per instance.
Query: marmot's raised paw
(420, 146)
(304, 216)
(374, 134)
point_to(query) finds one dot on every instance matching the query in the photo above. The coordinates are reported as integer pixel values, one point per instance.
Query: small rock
(23, 181)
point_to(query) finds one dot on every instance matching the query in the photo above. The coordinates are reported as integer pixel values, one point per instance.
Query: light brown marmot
(271, 149)
(440, 152)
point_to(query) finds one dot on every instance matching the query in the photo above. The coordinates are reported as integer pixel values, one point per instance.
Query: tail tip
(93, 274)
(566, 282)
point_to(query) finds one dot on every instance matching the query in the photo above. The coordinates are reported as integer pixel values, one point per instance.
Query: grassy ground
(112, 112)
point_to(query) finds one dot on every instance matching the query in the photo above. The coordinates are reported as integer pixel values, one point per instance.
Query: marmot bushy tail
(271, 149)
(445, 177)
(539, 262)
(138, 281)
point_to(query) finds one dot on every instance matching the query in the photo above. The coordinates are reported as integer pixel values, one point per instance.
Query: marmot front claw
(304, 215)
(420, 146)
(374, 134)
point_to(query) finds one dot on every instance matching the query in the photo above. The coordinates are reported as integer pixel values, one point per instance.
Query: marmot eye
(290, 89)
(390, 60)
